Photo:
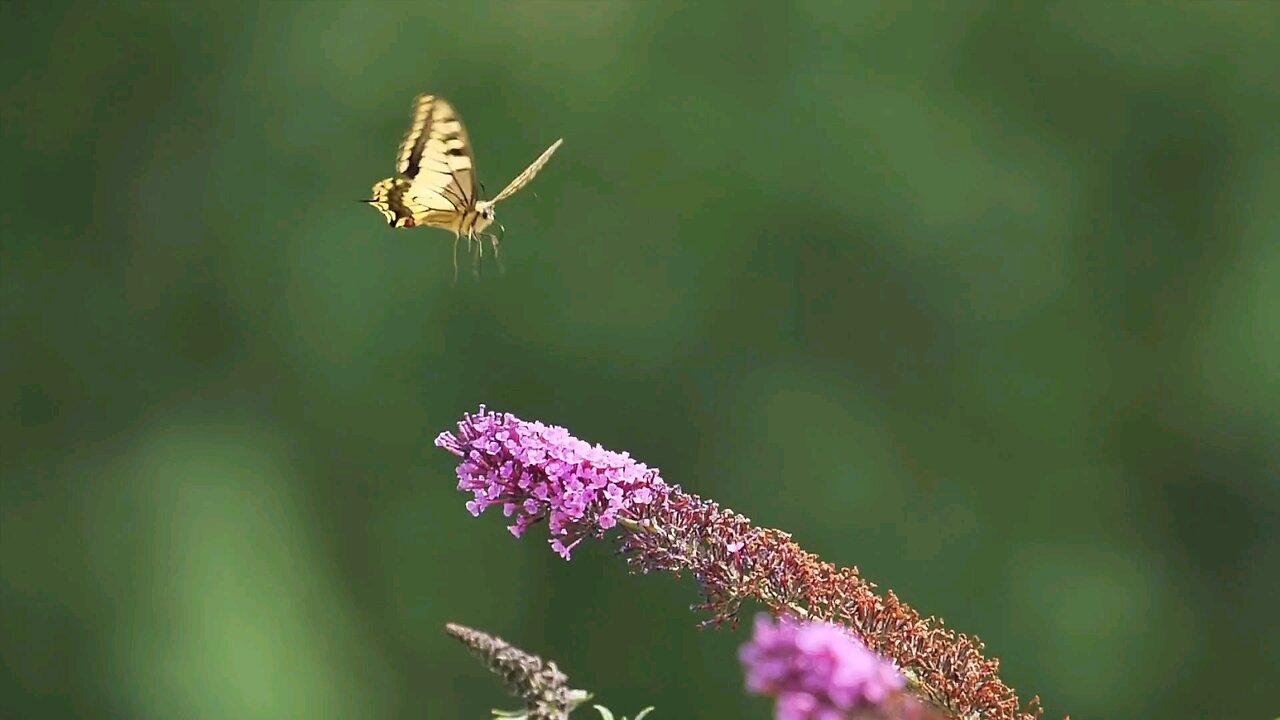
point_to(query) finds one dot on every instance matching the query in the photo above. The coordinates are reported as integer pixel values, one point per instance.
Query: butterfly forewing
(437, 150)
(523, 178)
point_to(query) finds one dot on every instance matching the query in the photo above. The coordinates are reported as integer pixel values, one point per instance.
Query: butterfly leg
(495, 241)
(456, 238)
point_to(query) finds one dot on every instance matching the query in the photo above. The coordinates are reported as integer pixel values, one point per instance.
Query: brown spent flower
(539, 683)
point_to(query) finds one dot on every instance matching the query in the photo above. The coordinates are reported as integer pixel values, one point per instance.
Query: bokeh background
(982, 298)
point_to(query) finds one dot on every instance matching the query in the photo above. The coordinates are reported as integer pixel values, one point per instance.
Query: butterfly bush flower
(535, 472)
(816, 670)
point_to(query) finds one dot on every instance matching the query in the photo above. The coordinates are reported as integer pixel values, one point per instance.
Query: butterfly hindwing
(393, 198)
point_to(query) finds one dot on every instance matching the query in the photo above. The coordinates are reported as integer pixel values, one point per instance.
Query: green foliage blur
(983, 298)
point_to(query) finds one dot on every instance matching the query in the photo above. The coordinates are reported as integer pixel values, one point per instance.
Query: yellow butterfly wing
(439, 186)
(523, 178)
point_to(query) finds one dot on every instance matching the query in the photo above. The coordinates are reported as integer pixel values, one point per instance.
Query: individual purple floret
(537, 471)
(816, 670)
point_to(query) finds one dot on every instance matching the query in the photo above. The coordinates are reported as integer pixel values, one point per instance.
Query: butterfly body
(437, 182)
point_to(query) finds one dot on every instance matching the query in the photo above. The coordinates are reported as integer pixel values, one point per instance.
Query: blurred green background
(983, 298)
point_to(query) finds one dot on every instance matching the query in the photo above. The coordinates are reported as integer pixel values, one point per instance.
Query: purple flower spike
(535, 471)
(816, 670)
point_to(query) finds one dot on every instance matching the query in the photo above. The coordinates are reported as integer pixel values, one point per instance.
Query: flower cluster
(815, 670)
(537, 471)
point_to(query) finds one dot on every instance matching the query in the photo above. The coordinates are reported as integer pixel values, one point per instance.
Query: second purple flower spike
(816, 670)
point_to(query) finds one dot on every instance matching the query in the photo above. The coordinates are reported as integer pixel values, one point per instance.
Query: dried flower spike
(540, 684)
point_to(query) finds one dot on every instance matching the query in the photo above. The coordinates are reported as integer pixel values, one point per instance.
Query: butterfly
(437, 182)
